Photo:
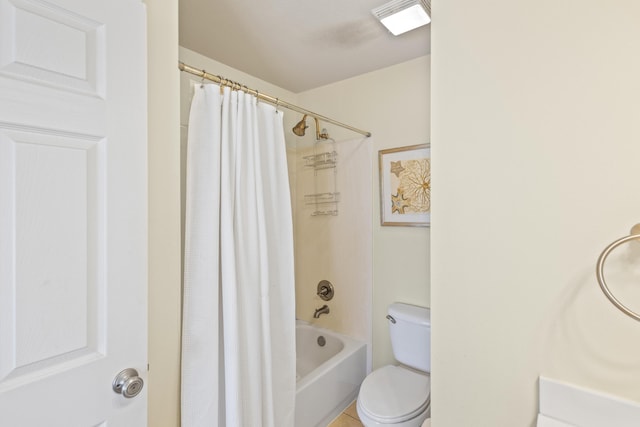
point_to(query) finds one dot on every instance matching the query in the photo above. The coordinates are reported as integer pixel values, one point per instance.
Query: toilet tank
(411, 335)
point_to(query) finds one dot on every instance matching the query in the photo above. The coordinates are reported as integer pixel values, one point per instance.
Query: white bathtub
(329, 376)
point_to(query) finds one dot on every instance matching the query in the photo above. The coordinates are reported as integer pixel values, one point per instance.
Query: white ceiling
(296, 44)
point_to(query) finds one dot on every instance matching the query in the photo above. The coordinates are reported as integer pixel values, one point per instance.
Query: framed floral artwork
(405, 186)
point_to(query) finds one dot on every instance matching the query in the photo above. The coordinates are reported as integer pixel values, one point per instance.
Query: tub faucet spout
(322, 310)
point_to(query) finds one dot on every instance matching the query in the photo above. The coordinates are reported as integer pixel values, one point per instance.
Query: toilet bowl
(400, 395)
(394, 396)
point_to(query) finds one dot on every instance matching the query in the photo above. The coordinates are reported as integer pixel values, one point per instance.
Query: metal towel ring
(600, 274)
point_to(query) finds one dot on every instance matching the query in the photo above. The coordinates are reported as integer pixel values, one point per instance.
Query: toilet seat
(393, 394)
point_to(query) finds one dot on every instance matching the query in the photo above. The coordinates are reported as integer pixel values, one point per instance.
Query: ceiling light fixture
(400, 16)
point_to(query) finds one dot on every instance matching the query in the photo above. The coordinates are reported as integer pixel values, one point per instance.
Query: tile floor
(349, 418)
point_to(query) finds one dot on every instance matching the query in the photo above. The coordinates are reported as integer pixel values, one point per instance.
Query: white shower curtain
(238, 343)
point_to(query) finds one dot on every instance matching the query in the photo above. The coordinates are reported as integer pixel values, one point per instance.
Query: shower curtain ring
(204, 73)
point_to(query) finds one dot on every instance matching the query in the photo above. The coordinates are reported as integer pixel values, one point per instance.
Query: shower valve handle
(325, 290)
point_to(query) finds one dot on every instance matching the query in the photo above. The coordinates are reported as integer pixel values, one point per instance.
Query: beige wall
(535, 148)
(393, 104)
(164, 215)
(338, 247)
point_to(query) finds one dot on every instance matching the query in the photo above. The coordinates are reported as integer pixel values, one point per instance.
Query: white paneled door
(73, 212)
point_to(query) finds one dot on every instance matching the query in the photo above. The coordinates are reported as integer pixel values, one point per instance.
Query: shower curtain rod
(264, 97)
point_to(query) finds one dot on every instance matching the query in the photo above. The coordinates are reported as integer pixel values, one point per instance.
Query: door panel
(73, 215)
(67, 49)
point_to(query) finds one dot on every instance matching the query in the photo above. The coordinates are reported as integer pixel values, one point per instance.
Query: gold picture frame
(405, 186)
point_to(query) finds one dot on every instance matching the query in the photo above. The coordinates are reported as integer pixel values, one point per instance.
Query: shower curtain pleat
(239, 283)
(200, 337)
(282, 301)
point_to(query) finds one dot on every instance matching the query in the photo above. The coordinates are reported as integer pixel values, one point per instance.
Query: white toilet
(401, 395)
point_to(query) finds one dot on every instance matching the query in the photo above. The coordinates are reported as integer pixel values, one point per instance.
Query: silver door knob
(128, 383)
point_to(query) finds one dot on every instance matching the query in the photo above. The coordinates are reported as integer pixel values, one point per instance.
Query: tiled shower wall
(337, 248)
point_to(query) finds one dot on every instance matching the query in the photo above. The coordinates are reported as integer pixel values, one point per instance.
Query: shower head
(299, 129)
(301, 126)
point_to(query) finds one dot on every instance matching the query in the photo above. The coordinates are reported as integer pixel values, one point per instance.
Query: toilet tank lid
(410, 313)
